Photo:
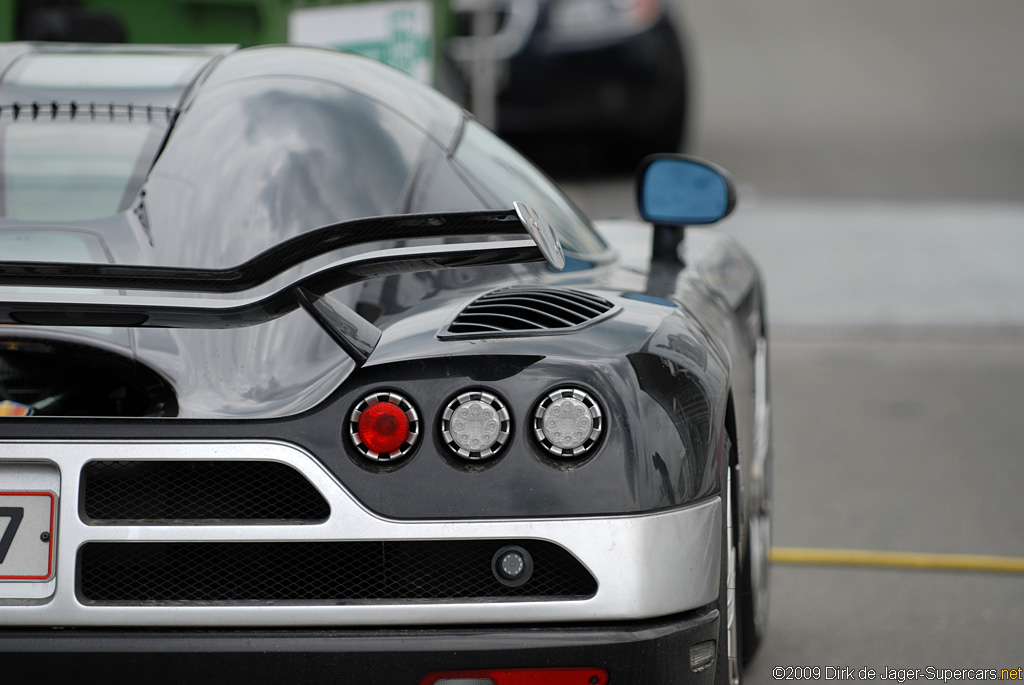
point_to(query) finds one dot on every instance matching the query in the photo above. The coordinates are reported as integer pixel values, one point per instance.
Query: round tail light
(568, 422)
(475, 425)
(384, 426)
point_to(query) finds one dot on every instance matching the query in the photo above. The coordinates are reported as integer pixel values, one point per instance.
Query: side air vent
(528, 311)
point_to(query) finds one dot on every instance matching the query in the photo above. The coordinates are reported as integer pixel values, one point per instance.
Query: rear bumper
(664, 563)
(654, 651)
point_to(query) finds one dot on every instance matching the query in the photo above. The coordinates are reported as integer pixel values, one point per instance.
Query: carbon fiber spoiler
(351, 331)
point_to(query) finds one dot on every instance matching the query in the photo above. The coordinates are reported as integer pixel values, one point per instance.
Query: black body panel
(521, 482)
(659, 451)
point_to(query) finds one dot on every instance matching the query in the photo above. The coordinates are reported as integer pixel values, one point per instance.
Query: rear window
(509, 177)
(51, 246)
(79, 131)
(105, 71)
(63, 171)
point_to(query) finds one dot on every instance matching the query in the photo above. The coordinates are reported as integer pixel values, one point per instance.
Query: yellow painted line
(907, 560)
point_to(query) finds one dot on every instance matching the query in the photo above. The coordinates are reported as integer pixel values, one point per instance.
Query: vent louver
(528, 311)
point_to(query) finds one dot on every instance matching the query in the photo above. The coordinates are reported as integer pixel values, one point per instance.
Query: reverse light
(475, 425)
(384, 426)
(568, 422)
(520, 676)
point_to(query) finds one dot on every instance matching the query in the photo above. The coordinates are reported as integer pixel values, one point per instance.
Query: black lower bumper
(651, 652)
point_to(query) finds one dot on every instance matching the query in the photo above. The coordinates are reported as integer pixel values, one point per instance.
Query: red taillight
(383, 427)
(520, 676)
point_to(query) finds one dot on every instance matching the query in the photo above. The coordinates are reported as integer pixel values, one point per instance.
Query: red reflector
(383, 427)
(522, 676)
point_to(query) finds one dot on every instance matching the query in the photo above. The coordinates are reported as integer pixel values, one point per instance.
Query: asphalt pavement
(879, 149)
(862, 99)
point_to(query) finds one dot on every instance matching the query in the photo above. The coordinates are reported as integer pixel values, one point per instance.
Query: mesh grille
(528, 310)
(156, 491)
(206, 572)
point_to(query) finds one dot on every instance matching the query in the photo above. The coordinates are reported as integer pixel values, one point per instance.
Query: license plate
(26, 535)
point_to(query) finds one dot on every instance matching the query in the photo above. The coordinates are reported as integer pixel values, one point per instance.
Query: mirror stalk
(665, 244)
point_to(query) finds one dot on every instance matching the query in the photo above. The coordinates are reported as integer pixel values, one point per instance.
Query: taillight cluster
(476, 425)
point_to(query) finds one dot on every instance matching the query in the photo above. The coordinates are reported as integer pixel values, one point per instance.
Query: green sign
(400, 34)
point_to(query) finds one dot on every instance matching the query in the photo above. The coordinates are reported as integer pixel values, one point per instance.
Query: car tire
(670, 132)
(669, 135)
(626, 154)
(753, 588)
(729, 669)
(755, 572)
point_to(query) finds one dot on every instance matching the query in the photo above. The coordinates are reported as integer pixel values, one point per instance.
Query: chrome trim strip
(646, 566)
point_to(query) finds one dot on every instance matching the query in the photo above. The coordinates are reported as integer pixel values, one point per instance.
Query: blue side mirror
(678, 190)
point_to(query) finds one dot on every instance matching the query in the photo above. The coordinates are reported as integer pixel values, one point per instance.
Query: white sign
(400, 34)
(26, 535)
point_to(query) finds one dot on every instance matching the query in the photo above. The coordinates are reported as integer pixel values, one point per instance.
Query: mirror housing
(680, 190)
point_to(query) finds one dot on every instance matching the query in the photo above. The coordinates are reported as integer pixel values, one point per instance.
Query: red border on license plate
(16, 532)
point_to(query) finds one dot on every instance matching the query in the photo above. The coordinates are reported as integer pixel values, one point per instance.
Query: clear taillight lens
(568, 422)
(475, 425)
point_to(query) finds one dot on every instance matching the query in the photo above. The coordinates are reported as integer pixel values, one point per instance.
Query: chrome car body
(215, 261)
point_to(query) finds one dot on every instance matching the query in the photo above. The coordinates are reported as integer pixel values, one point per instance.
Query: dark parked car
(307, 377)
(609, 73)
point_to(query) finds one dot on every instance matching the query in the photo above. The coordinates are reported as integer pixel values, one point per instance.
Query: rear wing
(311, 291)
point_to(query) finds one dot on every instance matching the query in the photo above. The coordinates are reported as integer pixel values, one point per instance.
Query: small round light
(512, 566)
(475, 425)
(568, 422)
(384, 426)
